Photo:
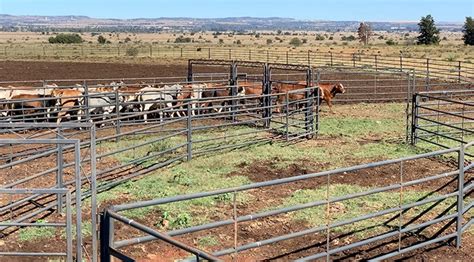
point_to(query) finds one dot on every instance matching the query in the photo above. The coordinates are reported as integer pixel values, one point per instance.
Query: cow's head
(241, 91)
(339, 88)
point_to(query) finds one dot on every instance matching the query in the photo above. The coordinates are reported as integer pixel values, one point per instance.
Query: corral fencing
(460, 71)
(126, 146)
(443, 118)
(68, 224)
(398, 221)
(38, 173)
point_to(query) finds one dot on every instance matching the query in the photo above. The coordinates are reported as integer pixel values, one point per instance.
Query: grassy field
(451, 47)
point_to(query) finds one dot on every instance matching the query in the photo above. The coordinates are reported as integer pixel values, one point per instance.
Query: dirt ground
(39, 70)
(288, 250)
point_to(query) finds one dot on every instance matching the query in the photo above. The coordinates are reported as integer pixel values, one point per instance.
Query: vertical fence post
(287, 61)
(44, 51)
(189, 129)
(309, 58)
(59, 173)
(407, 107)
(233, 86)
(190, 71)
(250, 54)
(414, 118)
(86, 100)
(401, 62)
(104, 236)
(330, 54)
(427, 74)
(230, 54)
(353, 60)
(267, 99)
(78, 187)
(460, 197)
(375, 63)
(268, 57)
(68, 228)
(309, 96)
(287, 114)
(459, 71)
(93, 187)
(209, 53)
(117, 110)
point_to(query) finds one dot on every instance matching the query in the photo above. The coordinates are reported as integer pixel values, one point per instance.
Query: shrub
(269, 41)
(320, 37)
(390, 42)
(132, 51)
(182, 39)
(101, 40)
(348, 38)
(295, 42)
(66, 39)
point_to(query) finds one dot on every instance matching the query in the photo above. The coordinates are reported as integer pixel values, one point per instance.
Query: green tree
(295, 42)
(101, 40)
(468, 31)
(429, 34)
(65, 39)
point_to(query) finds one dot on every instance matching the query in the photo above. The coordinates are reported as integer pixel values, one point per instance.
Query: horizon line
(226, 17)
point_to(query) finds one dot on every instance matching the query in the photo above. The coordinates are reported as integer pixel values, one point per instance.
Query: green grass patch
(86, 230)
(36, 233)
(360, 127)
(348, 209)
(208, 241)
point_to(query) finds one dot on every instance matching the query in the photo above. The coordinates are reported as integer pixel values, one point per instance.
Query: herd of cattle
(55, 103)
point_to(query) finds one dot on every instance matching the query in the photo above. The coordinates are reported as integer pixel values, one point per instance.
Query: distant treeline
(339, 27)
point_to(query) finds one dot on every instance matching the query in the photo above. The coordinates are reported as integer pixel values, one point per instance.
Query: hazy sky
(368, 10)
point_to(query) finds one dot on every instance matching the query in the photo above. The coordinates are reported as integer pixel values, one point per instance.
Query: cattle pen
(118, 131)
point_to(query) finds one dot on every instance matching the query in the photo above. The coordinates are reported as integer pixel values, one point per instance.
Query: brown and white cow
(68, 103)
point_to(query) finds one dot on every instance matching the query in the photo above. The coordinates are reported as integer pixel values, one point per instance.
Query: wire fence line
(460, 71)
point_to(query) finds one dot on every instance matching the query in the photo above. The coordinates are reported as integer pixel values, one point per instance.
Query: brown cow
(68, 102)
(29, 104)
(327, 92)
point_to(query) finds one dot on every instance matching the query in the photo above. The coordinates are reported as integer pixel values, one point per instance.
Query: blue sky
(367, 10)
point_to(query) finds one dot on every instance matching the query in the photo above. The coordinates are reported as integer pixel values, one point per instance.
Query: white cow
(155, 97)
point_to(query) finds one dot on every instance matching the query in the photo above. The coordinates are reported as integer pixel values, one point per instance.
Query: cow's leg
(146, 107)
(329, 102)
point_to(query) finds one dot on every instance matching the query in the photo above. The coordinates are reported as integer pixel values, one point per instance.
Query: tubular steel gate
(39, 170)
(429, 216)
(443, 118)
